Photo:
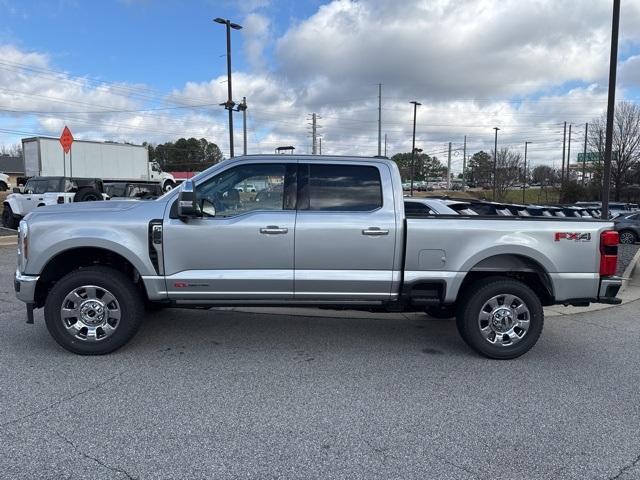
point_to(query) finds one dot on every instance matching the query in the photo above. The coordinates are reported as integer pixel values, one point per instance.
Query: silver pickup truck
(313, 231)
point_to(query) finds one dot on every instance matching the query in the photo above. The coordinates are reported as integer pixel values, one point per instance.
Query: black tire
(3, 187)
(9, 220)
(168, 185)
(441, 311)
(468, 318)
(87, 194)
(628, 237)
(130, 302)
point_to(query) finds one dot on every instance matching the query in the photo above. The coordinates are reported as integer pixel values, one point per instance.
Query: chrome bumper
(25, 287)
(609, 288)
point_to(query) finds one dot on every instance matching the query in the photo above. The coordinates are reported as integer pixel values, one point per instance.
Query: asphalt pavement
(224, 395)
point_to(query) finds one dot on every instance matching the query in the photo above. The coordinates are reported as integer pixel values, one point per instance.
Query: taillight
(608, 253)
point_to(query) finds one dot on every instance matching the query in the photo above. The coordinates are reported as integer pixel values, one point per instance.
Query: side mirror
(187, 206)
(16, 190)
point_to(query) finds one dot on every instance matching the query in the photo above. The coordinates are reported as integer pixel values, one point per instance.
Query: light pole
(524, 183)
(611, 103)
(413, 143)
(229, 104)
(495, 164)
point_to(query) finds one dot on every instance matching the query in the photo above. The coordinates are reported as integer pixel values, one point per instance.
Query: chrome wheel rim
(627, 237)
(504, 320)
(90, 313)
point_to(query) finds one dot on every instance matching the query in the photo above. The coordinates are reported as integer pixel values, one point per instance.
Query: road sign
(66, 139)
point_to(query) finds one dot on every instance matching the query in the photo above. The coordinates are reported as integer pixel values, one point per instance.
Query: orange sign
(66, 139)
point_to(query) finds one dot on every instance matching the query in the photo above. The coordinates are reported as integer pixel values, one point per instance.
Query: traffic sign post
(66, 140)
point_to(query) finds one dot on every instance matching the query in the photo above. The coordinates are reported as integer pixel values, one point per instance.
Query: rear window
(344, 188)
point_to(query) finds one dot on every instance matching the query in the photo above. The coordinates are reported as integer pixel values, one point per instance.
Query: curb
(8, 240)
(628, 272)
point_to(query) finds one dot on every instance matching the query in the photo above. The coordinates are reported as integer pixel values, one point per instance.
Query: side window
(243, 189)
(30, 187)
(344, 188)
(52, 185)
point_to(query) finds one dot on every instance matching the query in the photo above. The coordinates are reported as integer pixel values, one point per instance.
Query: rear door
(345, 232)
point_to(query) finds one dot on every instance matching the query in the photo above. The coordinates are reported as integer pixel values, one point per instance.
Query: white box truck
(109, 161)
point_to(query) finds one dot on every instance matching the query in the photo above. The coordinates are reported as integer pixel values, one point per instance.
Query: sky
(155, 71)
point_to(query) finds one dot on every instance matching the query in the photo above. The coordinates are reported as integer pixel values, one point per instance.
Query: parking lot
(222, 394)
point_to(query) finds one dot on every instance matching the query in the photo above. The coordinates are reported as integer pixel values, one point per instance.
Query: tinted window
(417, 207)
(243, 189)
(343, 188)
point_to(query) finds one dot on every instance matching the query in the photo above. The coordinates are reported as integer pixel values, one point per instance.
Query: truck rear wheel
(501, 318)
(93, 311)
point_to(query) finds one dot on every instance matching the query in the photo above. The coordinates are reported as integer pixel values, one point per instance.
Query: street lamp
(524, 183)
(229, 104)
(413, 144)
(495, 164)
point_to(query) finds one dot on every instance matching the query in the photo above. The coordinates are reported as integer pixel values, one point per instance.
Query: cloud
(256, 37)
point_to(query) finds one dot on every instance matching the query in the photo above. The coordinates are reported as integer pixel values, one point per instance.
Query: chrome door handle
(273, 230)
(375, 231)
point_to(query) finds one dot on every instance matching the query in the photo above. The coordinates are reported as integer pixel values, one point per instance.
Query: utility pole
(464, 165)
(495, 164)
(611, 104)
(243, 108)
(449, 168)
(564, 146)
(584, 153)
(379, 119)
(568, 153)
(313, 133)
(413, 143)
(385, 144)
(229, 104)
(526, 177)
(320, 139)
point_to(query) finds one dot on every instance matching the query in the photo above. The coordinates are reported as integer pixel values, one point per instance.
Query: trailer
(109, 161)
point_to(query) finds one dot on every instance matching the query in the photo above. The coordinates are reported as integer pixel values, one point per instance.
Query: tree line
(510, 171)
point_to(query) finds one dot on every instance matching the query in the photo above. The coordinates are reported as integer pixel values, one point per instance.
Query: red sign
(66, 139)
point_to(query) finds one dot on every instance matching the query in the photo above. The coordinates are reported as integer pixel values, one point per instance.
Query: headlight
(23, 244)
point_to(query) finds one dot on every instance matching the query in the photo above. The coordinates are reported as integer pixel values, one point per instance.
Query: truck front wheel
(93, 311)
(500, 318)
(9, 220)
(168, 186)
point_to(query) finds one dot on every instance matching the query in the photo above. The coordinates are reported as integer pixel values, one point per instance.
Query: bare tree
(626, 145)
(508, 171)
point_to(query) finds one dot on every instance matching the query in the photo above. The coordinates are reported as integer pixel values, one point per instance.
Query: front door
(345, 232)
(242, 246)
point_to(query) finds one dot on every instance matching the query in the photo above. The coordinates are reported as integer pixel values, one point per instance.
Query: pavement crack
(60, 401)
(626, 468)
(95, 459)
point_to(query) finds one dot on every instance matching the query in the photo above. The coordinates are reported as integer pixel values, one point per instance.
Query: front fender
(131, 245)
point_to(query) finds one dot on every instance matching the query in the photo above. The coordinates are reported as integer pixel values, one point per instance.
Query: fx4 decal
(575, 236)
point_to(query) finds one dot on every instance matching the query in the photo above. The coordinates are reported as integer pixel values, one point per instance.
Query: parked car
(338, 237)
(42, 191)
(144, 191)
(628, 226)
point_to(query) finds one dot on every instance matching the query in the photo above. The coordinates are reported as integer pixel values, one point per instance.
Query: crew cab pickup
(317, 231)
